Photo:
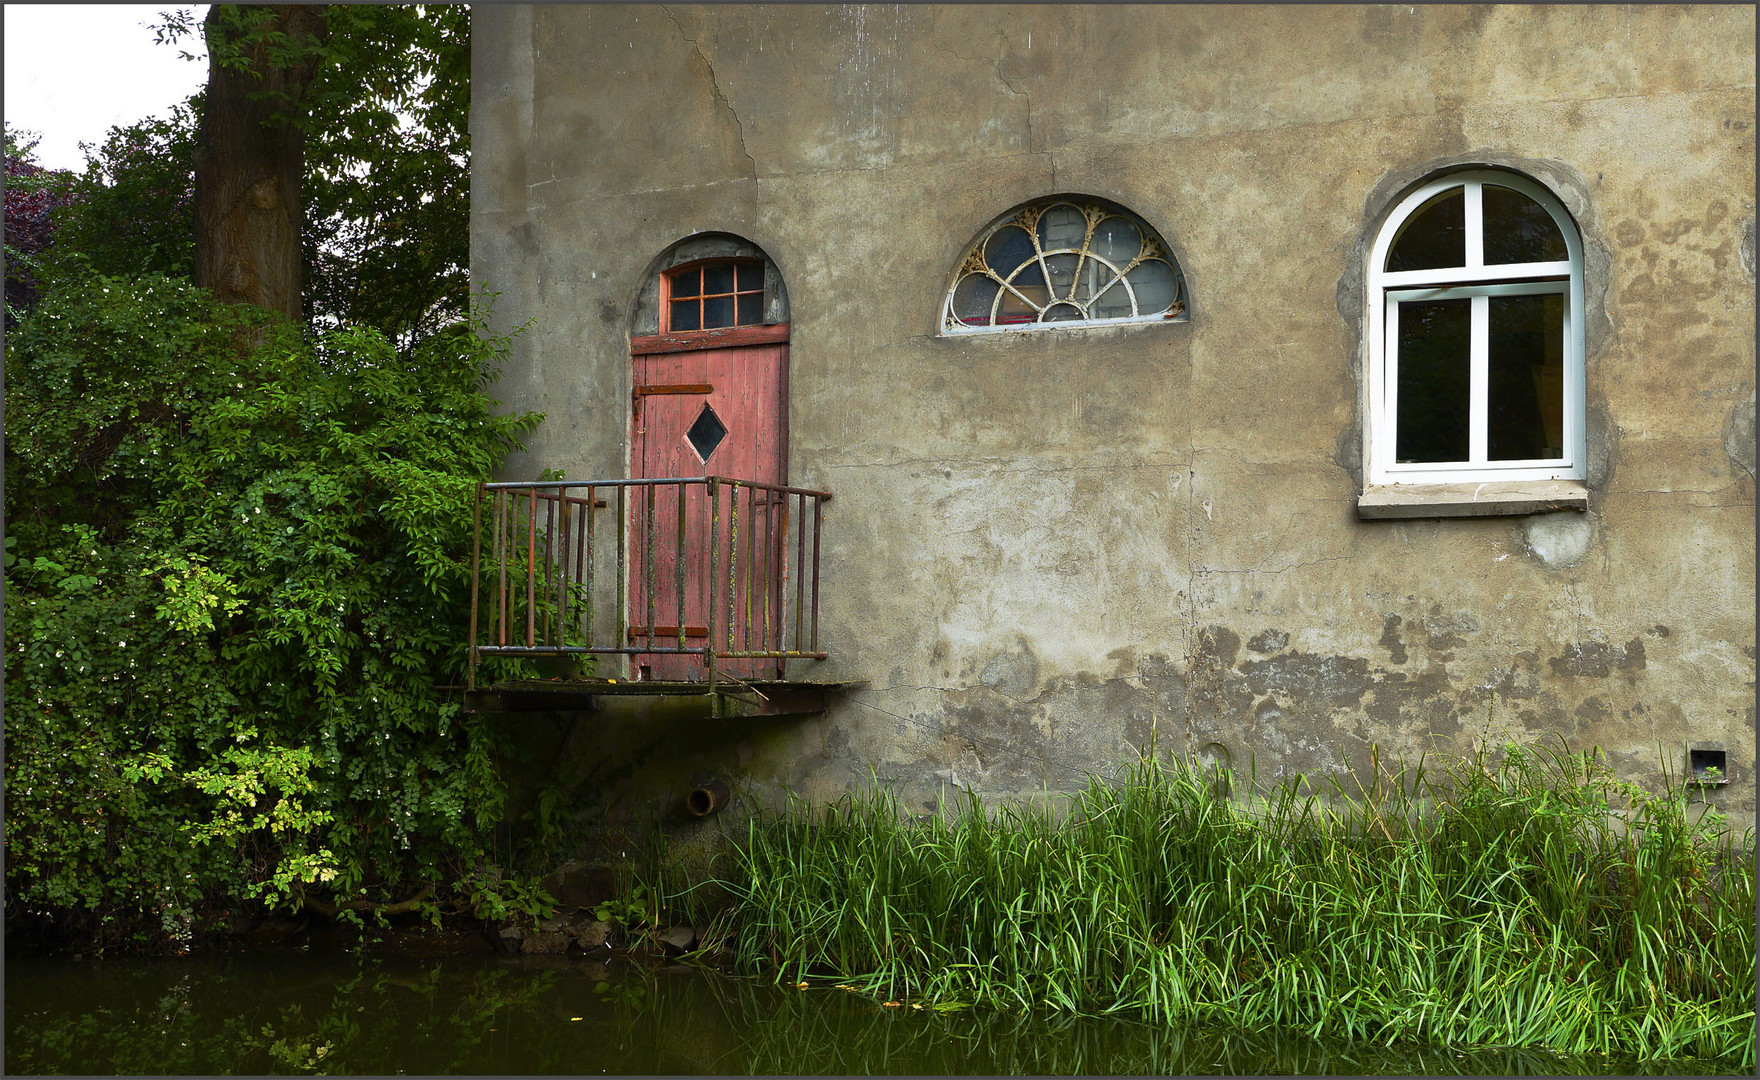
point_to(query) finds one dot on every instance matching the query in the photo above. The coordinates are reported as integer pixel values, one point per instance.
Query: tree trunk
(249, 158)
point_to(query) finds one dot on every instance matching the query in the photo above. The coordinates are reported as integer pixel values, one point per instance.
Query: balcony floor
(726, 697)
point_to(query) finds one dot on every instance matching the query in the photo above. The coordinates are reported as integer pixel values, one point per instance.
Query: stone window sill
(1500, 499)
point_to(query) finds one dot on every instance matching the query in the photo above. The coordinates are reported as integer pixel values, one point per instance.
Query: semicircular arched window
(1068, 260)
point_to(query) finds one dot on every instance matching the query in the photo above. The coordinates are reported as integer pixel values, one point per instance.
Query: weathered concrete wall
(1043, 545)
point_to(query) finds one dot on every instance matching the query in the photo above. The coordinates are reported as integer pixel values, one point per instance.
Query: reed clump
(1526, 898)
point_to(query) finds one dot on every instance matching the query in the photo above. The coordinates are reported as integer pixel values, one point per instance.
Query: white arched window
(1475, 293)
(1067, 260)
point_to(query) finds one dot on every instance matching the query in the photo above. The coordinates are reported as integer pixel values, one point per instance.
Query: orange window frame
(693, 277)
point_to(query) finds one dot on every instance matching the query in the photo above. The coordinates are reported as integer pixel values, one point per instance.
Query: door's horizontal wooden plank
(733, 336)
(672, 388)
(668, 631)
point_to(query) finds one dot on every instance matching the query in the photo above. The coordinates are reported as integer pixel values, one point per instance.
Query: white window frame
(1477, 282)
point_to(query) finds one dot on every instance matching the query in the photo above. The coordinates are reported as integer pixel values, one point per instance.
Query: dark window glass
(1156, 284)
(1061, 313)
(1518, 229)
(706, 433)
(1007, 250)
(717, 312)
(1030, 283)
(706, 297)
(1117, 241)
(972, 299)
(1063, 272)
(718, 278)
(1114, 303)
(1434, 236)
(1062, 226)
(1434, 344)
(1091, 280)
(1013, 309)
(1525, 417)
(1030, 277)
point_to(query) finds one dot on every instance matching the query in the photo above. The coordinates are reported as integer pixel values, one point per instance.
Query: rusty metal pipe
(707, 798)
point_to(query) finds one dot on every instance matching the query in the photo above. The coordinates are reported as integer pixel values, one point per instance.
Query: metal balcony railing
(678, 580)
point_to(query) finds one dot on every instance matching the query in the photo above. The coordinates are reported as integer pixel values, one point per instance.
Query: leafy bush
(237, 572)
(133, 208)
(33, 197)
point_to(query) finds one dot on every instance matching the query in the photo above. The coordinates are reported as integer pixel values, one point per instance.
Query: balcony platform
(725, 698)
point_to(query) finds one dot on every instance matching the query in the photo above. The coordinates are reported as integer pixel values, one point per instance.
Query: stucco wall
(1043, 545)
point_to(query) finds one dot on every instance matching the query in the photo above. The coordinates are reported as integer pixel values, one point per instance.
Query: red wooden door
(698, 413)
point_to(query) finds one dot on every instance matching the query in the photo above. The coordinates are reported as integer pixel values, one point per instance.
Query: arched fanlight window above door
(713, 294)
(1064, 261)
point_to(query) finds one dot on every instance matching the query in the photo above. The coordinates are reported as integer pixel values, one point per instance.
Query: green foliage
(1531, 901)
(490, 894)
(132, 211)
(388, 169)
(635, 909)
(241, 570)
(35, 197)
(385, 114)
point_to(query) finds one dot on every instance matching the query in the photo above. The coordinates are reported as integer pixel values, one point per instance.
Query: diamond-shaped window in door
(706, 434)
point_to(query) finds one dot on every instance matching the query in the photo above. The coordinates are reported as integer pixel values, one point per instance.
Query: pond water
(288, 1010)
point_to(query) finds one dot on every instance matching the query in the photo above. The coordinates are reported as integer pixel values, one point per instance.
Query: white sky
(74, 70)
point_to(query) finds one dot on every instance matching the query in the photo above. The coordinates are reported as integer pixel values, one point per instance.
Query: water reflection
(282, 1013)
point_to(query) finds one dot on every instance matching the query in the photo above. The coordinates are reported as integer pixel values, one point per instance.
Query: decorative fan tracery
(1062, 262)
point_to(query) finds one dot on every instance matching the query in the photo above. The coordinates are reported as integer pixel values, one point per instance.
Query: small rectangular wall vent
(1707, 767)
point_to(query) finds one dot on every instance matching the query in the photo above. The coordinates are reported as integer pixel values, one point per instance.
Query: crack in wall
(715, 86)
(1209, 571)
(1003, 79)
(995, 64)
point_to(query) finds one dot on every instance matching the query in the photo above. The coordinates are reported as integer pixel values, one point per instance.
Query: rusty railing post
(651, 572)
(678, 567)
(818, 515)
(549, 564)
(587, 558)
(712, 487)
(503, 541)
(800, 569)
(531, 565)
(732, 556)
(470, 679)
(745, 634)
(562, 561)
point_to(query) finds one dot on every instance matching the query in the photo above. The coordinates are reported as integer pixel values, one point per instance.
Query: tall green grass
(1531, 899)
